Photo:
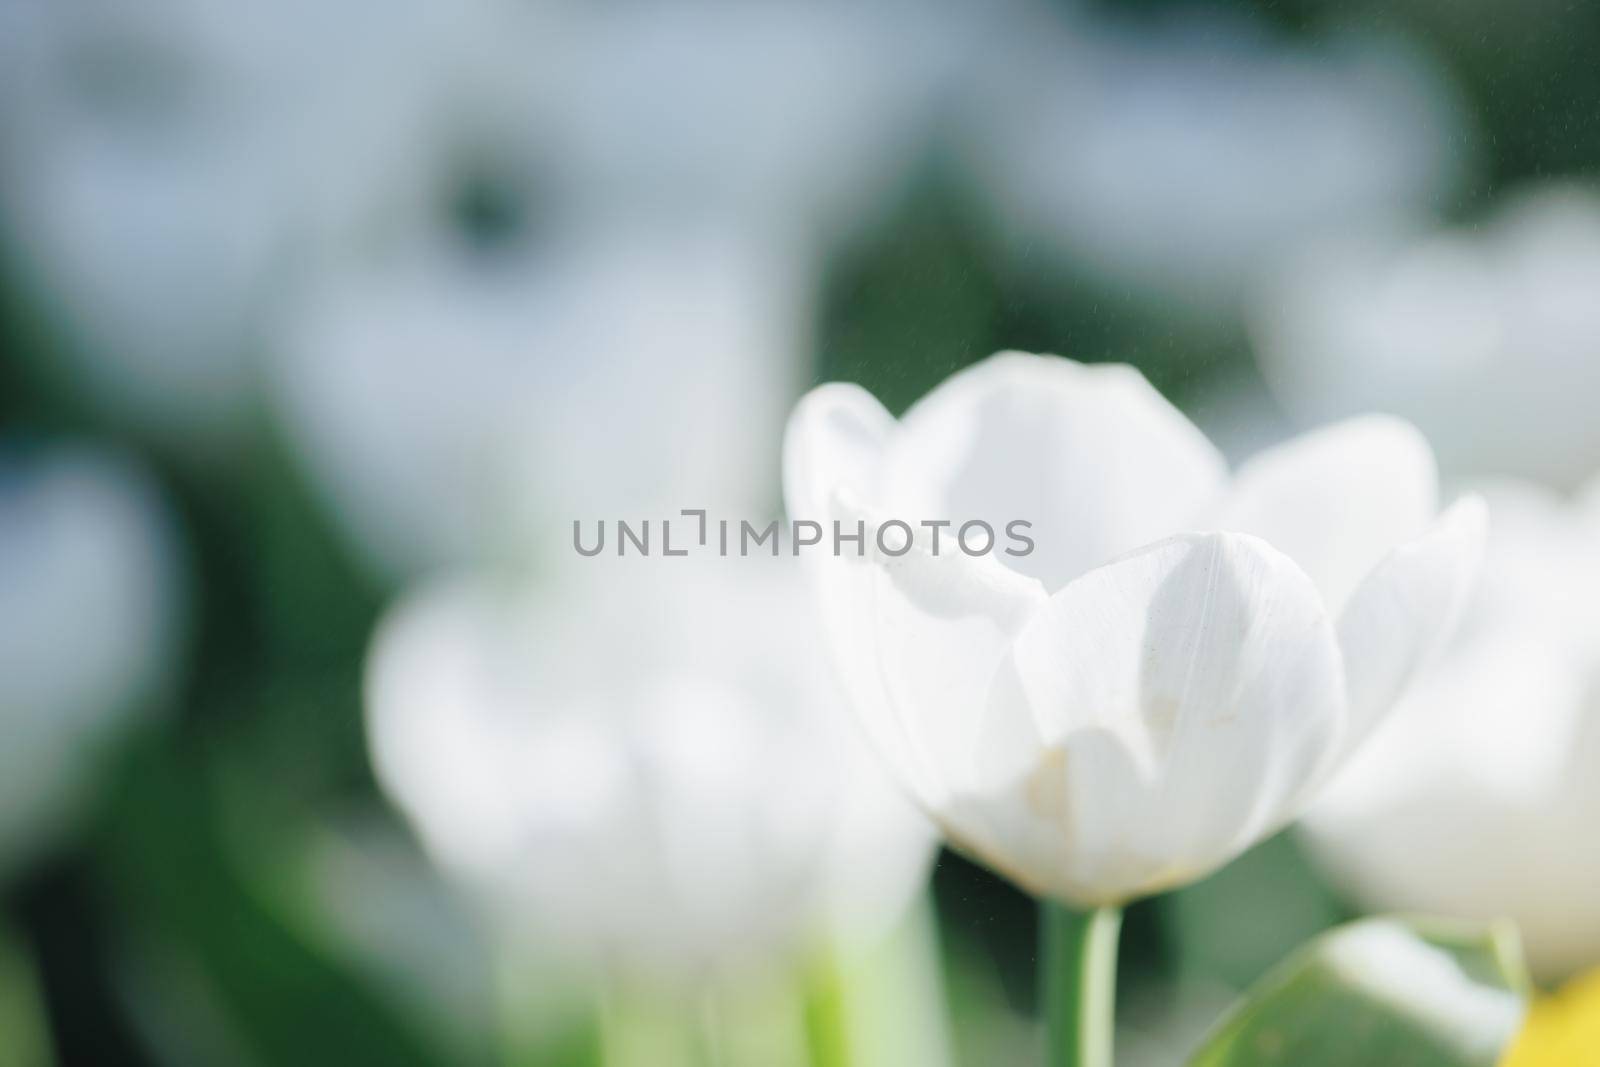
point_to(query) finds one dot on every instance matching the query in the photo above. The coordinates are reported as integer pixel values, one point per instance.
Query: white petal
(1398, 618)
(1486, 756)
(1499, 718)
(1182, 695)
(915, 639)
(833, 445)
(831, 453)
(938, 628)
(440, 740)
(1542, 570)
(1337, 500)
(1093, 456)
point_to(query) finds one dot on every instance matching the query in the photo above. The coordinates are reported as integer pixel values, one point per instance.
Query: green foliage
(23, 1040)
(1381, 991)
(278, 996)
(1234, 926)
(932, 291)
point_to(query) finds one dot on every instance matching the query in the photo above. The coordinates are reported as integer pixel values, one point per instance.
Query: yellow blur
(1562, 1030)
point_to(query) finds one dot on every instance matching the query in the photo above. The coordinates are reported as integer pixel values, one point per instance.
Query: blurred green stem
(647, 1026)
(880, 1002)
(826, 1011)
(1078, 983)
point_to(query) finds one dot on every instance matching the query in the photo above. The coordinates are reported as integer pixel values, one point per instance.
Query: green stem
(826, 1024)
(1078, 981)
(879, 1001)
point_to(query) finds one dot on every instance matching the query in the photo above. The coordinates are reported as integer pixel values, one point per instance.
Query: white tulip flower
(1478, 797)
(90, 603)
(651, 771)
(624, 322)
(454, 410)
(1489, 338)
(788, 118)
(1180, 162)
(162, 163)
(1180, 661)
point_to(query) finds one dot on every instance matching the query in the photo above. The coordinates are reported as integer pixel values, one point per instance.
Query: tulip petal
(940, 627)
(1182, 696)
(1337, 499)
(833, 445)
(1093, 456)
(832, 450)
(1407, 607)
(831, 453)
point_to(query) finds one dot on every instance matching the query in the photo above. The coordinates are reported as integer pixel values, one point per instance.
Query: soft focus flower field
(329, 332)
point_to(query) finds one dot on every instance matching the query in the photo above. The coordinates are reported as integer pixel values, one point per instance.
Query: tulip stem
(1078, 983)
(826, 1023)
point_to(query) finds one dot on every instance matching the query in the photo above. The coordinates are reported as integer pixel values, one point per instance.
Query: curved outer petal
(1338, 499)
(1403, 612)
(1093, 456)
(1179, 697)
(833, 445)
(832, 451)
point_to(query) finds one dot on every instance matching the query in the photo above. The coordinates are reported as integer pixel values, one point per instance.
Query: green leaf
(1234, 927)
(24, 1041)
(1401, 993)
(232, 968)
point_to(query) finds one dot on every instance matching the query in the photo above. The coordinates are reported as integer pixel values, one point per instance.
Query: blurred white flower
(453, 410)
(791, 118)
(159, 159)
(1489, 339)
(89, 624)
(650, 772)
(1113, 715)
(1181, 160)
(169, 167)
(592, 289)
(1478, 797)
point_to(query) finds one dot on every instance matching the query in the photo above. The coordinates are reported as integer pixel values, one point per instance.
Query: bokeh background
(306, 307)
